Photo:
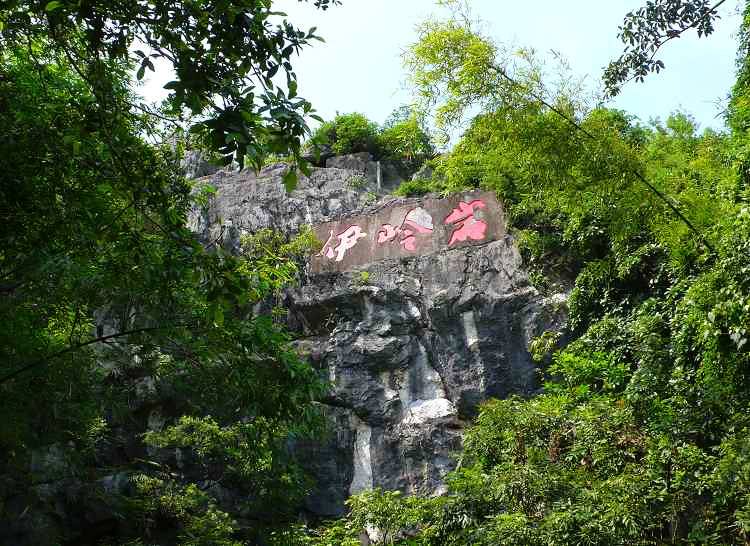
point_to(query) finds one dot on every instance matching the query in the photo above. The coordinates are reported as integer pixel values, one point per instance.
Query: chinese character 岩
(467, 226)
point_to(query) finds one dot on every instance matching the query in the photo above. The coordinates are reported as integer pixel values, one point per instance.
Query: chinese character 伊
(347, 240)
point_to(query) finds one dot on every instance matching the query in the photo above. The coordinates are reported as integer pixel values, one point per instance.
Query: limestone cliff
(410, 343)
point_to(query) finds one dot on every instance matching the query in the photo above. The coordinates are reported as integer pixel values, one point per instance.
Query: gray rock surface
(195, 165)
(246, 202)
(411, 345)
(424, 173)
(381, 175)
(352, 162)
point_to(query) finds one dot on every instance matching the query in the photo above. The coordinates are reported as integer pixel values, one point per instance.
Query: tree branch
(75, 347)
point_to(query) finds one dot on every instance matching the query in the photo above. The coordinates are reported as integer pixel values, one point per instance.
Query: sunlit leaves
(224, 55)
(645, 30)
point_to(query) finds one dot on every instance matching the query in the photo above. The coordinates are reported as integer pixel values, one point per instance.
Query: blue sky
(359, 67)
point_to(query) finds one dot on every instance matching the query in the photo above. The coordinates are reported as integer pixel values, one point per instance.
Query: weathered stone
(330, 460)
(391, 176)
(353, 162)
(318, 155)
(246, 203)
(424, 173)
(194, 165)
(411, 342)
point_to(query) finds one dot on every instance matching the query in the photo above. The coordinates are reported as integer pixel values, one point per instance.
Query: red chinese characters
(467, 226)
(408, 229)
(416, 222)
(346, 240)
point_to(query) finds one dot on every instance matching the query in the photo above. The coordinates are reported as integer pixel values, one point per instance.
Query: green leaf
(52, 6)
(304, 166)
(290, 180)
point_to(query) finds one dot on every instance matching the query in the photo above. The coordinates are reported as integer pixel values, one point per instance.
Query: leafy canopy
(113, 311)
(225, 56)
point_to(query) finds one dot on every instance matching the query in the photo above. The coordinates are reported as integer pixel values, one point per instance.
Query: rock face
(411, 345)
(194, 165)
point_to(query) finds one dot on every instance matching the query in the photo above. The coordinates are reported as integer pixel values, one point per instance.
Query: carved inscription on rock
(417, 222)
(409, 228)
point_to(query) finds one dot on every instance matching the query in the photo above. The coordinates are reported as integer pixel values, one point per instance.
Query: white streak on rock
(362, 479)
(421, 411)
(470, 328)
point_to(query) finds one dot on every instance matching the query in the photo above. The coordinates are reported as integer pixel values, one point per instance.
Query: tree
(346, 134)
(104, 286)
(648, 28)
(224, 54)
(405, 140)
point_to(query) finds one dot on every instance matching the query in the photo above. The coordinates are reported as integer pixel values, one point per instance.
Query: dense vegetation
(403, 139)
(108, 301)
(642, 433)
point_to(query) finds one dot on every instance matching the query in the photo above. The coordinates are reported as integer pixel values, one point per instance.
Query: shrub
(416, 188)
(347, 134)
(405, 141)
(356, 182)
(403, 138)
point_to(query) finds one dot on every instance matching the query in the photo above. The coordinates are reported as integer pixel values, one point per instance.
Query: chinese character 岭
(416, 222)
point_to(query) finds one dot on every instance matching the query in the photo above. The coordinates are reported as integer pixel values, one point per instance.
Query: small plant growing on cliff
(363, 278)
(414, 188)
(279, 314)
(272, 159)
(204, 194)
(356, 181)
(542, 346)
(272, 260)
(539, 280)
